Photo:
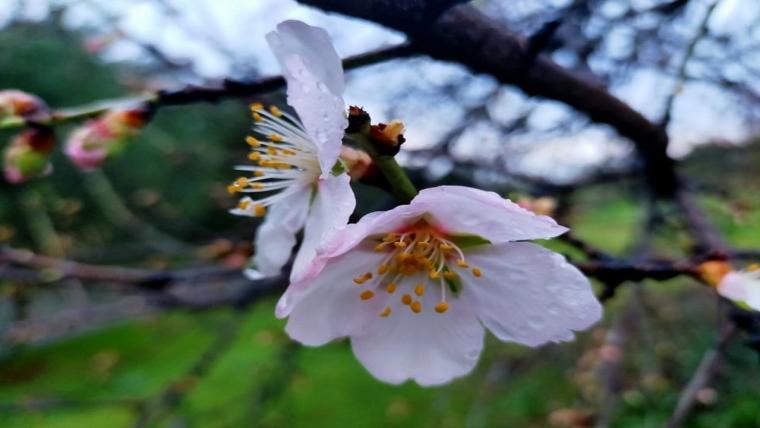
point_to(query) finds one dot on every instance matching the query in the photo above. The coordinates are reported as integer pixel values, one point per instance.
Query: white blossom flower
(415, 286)
(742, 287)
(291, 181)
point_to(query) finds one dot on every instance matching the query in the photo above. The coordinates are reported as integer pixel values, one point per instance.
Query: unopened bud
(27, 155)
(713, 271)
(544, 205)
(358, 119)
(15, 103)
(91, 144)
(389, 137)
(357, 162)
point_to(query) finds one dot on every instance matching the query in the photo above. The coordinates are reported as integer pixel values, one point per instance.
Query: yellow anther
(434, 274)
(400, 244)
(232, 188)
(754, 267)
(390, 237)
(445, 247)
(382, 269)
(257, 186)
(423, 244)
(256, 106)
(462, 264)
(406, 299)
(258, 173)
(476, 272)
(257, 117)
(243, 205)
(450, 275)
(385, 312)
(366, 295)
(441, 307)
(275, 137)
(241, 182)
(272, 151)
(363, 278)
(391, 287)
(379, 247)
(253, 142)
(419, 289)
(259, 210)
(254, 156)
(416, 306)
(275, 111)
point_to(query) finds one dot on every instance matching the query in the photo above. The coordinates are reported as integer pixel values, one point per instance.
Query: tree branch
(464, 35)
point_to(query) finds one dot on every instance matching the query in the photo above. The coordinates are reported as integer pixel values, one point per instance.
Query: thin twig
(702, 376)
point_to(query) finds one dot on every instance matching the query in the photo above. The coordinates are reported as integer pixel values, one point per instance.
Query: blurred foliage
(166, 193)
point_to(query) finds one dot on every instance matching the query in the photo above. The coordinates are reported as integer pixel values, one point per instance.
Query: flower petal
(733, 287)
(328, 307)
(459, 209)
(314, 73)
(276, 237)
(429, 348)
(528, 294)
(329, 213)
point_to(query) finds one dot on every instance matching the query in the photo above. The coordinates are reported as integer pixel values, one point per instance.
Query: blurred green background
(163, 204)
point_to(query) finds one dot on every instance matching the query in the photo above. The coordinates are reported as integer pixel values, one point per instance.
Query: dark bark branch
(464, 35)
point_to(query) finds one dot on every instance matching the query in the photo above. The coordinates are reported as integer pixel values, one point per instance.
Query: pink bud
(27, 156)
(91, 144)
(85, 150)
(21, 104)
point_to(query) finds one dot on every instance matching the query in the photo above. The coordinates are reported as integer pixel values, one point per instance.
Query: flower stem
(401, 186)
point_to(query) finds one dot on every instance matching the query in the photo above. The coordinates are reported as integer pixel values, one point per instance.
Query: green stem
(401, 186)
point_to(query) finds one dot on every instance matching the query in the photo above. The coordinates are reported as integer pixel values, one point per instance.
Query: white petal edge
(460, 209)
(328, 307)
(528, 294)
(328, 214)
(428, 348)
(314, 74)
(276, 236)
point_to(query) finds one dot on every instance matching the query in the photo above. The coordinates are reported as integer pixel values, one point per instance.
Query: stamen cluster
(420, 257)
(284, 159)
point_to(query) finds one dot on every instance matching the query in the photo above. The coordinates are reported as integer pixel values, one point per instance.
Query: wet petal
(314, 73)
(329, 213)
(528, 294)
(429, 348)
(328, 307)
(276, 237)
(459, 209)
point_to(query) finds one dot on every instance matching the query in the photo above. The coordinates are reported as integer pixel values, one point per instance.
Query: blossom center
(416, 259)
(285, 160)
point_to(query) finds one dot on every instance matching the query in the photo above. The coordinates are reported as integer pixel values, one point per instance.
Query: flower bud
(544, 205)
(91, 144)
(713, 271)
(15, 103)
(388, 137)
(28, 155)
(357, 162)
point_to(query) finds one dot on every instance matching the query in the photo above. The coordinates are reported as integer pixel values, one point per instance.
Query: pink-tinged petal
(86, 158)
(276, 237)
(733, 287)
(314, 73)
(528, 294)
(328, 214)
(328, 307)
(375, 223)
(428, 347)
(459, 209)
